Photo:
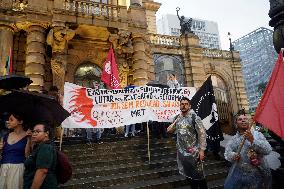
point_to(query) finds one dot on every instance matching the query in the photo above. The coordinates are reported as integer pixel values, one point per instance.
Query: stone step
(136, 166)
(123, 168)
(117, 153)
(131, 177)
(95, 163)
(131, 144)
(108, 139)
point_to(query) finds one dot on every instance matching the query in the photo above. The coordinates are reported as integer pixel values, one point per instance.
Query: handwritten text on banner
(101, 108)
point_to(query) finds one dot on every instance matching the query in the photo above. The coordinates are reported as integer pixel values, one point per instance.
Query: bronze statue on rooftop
(185, 25)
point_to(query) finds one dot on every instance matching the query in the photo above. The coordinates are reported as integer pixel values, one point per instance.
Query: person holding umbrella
(40, 167)
(246, 150)
(16, 147)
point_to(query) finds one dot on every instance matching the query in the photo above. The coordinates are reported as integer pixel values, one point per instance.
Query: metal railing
(92, 8)
(164, 40)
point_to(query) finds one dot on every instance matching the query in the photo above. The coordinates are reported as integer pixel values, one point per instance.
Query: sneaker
(125, 135)
(133, 134)
(100, 142)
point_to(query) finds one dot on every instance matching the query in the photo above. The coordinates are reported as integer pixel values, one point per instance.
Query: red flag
(110, 72)
(270, 110)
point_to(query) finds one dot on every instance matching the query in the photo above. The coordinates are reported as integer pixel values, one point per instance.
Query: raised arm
(177, 9)
(172, 126)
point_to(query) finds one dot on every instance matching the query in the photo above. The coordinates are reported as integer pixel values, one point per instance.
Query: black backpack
(63, 168)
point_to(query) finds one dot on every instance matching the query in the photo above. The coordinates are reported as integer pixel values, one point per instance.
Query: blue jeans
(98, 133)
(89, 132)
(127, 128)
(242, 180)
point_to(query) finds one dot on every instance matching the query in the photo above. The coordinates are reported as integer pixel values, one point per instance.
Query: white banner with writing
(102, 108)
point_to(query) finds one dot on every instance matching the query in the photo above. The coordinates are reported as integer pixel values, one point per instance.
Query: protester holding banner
(250, 169)
(191, 143)
(131, 126)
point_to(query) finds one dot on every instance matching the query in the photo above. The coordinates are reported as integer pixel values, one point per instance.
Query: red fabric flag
(110, 72)
(270, 110)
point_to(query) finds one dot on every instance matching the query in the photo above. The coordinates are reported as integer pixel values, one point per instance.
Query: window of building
(88, 75)
(166, 64)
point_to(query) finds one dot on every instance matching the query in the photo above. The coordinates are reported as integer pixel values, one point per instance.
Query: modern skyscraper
(207, 31)
(257, 58)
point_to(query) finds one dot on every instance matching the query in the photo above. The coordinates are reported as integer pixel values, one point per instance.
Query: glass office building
(257, 58)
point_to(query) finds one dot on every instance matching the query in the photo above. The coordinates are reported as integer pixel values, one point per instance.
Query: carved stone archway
(224, 102)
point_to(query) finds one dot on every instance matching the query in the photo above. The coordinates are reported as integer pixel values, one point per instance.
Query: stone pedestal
(35, 58)
(6, 41)
(140, 65)
(195, 75)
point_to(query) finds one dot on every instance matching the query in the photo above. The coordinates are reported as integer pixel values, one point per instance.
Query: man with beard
(191, 143)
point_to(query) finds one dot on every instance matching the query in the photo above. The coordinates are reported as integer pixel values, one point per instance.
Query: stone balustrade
(16, 5)
(92, 8)
(164, 40)
(215, 53)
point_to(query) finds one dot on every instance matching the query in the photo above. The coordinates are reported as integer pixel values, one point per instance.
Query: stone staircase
(123, 164)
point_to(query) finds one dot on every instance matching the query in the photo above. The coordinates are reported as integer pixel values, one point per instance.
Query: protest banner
(102, 108)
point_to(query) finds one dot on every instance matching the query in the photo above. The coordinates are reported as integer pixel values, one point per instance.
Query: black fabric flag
(204, 105)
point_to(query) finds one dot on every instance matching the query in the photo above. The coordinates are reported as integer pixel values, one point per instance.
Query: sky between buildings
(239, 17)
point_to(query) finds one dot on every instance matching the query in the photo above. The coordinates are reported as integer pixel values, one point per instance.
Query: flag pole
(61, 138)
(239, 151)
(148, 135)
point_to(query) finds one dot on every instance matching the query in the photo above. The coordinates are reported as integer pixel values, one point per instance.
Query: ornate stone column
(35, 58)
(150, 60)
(6, 41)
(57, 38)
(140, 65)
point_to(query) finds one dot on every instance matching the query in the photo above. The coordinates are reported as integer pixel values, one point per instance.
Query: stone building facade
(54, 41)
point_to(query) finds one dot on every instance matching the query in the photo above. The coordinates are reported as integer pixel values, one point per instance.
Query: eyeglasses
(37, 131)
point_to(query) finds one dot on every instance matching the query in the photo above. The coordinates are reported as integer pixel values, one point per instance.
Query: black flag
(204, 105)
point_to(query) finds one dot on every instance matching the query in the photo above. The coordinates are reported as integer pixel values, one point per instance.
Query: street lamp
(276, 14)
(233, 61)
(231, 45)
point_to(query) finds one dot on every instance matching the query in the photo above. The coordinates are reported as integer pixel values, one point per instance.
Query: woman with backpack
(40, 167)
(15, 148)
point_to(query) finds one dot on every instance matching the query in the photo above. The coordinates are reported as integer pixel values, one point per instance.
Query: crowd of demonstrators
(191, 144)
(28, 159)
(250, 169)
